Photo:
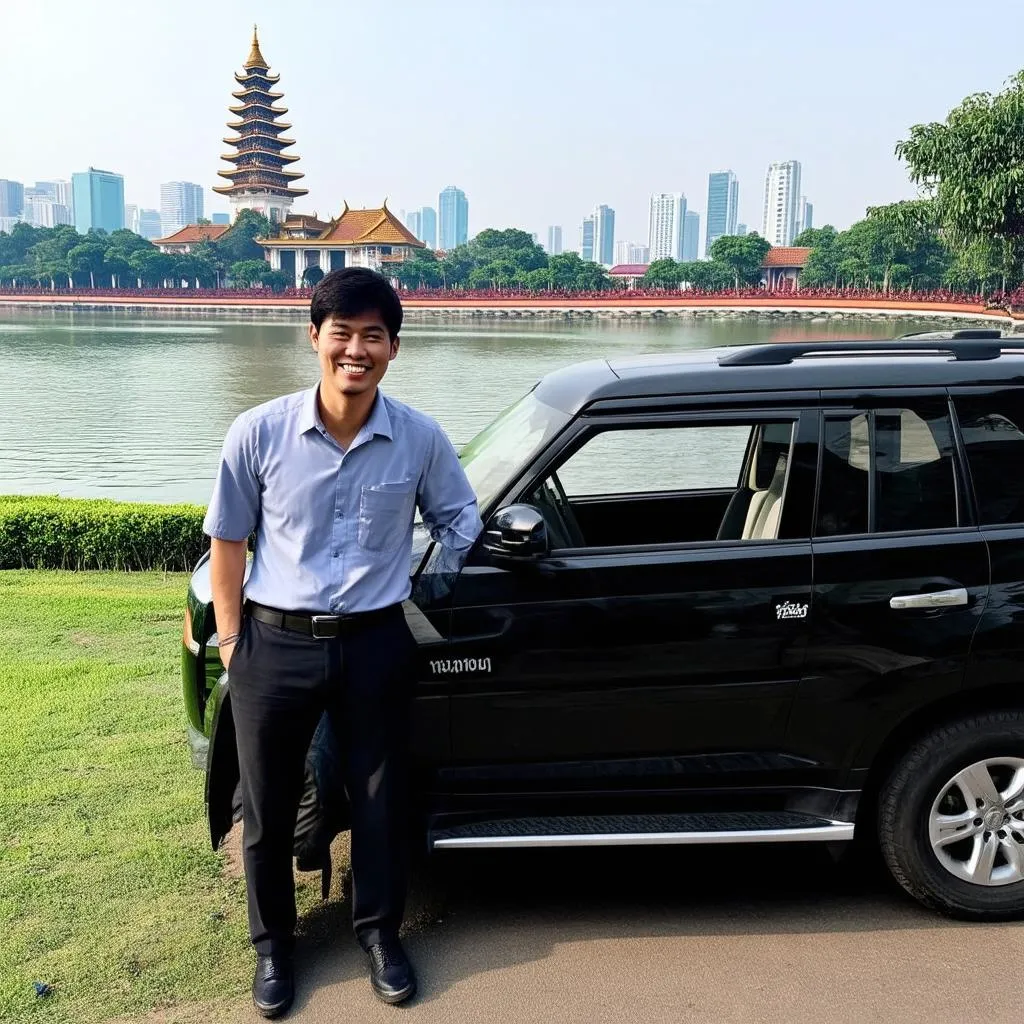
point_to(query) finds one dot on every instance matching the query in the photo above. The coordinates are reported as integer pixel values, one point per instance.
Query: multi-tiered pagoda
(260, 180)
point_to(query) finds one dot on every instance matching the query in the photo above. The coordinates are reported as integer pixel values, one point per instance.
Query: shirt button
(337, 554)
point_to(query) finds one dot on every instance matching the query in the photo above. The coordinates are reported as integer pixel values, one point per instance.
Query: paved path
(667, 935)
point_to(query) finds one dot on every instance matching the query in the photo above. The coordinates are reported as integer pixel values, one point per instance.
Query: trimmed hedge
(86, 533)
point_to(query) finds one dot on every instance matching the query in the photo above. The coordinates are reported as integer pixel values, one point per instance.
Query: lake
(135, 407)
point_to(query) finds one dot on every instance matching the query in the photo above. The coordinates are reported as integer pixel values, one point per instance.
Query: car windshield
(509, 443)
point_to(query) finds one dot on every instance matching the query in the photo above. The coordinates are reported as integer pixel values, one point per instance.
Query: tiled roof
(369, 227)
(629, 269)
(194, 233)
(787, 256)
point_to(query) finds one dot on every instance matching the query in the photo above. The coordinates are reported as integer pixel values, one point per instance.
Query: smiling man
(329, 480)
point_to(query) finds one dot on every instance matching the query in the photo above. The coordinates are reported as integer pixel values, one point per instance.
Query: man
(329, 479)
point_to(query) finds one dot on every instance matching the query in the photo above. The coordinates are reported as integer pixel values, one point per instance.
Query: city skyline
(844, 129)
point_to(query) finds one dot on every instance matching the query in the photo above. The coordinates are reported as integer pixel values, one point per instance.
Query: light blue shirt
(334, 527)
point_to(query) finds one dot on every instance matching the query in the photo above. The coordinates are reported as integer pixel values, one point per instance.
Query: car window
(993, 437)
(669, 485)
(662, 459)
(886, 471)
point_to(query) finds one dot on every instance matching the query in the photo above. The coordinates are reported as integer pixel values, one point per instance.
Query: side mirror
(517, 531)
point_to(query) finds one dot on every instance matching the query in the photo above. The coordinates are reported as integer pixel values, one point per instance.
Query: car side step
(644, 830)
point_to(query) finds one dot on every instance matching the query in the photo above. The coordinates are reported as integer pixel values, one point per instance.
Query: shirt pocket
(385, 515)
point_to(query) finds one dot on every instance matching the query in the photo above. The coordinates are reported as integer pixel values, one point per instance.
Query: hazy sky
(538, 110)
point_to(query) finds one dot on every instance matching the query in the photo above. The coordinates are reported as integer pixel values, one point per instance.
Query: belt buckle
(325, 626)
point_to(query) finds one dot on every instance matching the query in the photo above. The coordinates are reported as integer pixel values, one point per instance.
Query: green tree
(238, 244)
(246, 273)
(972, 166)
(538, 280)
(276, 280)
(456, 267)
(422, 270)
(705, 275)
(663, 273)
(49, 255)
(151, 266)
(813, 237)
(87, 258)
(743, 255)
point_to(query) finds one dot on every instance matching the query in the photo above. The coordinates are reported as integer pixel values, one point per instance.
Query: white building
(554, 240)
(806, 219)
(667, 225)
(181, 203)
(631, 252)
(781, 202)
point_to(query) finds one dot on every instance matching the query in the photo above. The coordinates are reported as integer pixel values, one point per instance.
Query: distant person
(329, 478)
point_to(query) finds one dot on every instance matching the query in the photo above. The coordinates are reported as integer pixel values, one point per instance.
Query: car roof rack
(972, 332)
(961, 348)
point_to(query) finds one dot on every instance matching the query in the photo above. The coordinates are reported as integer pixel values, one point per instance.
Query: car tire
(923, 809)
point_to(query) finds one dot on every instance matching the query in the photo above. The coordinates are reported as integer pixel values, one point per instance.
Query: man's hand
(227, 570)
(225, 651)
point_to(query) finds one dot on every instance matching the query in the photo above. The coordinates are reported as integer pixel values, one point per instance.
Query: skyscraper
(806, 219)
(741, 230)
(99, 200)
(428, 225)
(453, 213)
(691, 236)
(631, 252)
(781, 202)
(413, 221)
(554, 240)
(150, 226)
(723, 205)
(181, 203)
(48, 204)
(604, 235)
(667, 220)
(12, 198)
(587, 239)
(131, 217)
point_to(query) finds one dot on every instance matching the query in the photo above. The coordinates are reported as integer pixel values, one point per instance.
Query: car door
(900, 576)
(661, 643)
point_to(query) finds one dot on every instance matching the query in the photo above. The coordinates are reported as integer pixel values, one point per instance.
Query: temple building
(307, 248)
(184, 239)
(260, 179)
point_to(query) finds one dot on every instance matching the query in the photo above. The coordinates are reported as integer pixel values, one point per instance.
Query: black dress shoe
(391, 975)
(273, 987)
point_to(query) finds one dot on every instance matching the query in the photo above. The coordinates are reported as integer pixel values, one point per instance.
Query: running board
(644, 830)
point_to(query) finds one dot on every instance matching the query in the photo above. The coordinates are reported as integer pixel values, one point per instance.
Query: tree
(972, 166)
(743, 255)
(49, 255)
(237, 245)
(422, 270)
(87, 258)
(812, 238)
(276, 280)
(663, 273)
(151, 266)
(707, 275)
(246, 273)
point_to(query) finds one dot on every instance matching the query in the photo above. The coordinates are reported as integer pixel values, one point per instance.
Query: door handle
(935, 599)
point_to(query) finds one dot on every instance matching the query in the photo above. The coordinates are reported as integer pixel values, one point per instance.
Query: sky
(538, 109)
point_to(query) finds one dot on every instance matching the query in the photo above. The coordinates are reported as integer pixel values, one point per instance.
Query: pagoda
(260, 179)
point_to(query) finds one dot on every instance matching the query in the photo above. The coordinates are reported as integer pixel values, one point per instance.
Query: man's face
(354, 352)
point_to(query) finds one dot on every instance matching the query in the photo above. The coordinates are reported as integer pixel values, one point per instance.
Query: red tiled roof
(629, 269)
(787, 256)
(194, 233)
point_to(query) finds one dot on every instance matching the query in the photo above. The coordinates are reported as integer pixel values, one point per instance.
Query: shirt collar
(378, 422)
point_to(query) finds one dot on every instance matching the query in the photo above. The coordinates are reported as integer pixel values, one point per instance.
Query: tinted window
(991, 429)
(888, 470)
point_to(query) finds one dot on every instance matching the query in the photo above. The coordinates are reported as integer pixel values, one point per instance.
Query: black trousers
(281, 683)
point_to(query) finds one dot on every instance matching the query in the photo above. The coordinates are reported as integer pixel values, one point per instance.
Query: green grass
(109, 891)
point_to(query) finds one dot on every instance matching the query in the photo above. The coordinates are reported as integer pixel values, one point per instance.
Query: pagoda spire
(255, 57)
(260, 179)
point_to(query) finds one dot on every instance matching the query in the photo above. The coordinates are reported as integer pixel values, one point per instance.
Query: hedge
(86, 533)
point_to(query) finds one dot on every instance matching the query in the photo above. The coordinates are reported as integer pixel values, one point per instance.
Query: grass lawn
(109, 891)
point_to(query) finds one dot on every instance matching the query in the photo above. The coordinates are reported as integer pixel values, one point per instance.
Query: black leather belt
(323, 627)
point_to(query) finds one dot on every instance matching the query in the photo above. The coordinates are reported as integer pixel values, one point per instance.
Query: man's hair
(353, 292)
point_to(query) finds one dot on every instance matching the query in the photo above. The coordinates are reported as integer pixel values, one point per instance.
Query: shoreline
(815, 310)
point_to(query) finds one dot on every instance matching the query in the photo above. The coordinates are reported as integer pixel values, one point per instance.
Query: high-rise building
(806, 218)
(604, 235)
(260, 179)
(667, 220)
(741, 230)
(12, 198)
(632, 252)
(723, 205)
(453, 213)
(181, 203)
(47, 204)
(151, 227)
(428, 225)
(131, 217)
(554, 240)
(220, 218)
(691, 236)
(99, 200)
(587, 239)
(781, 202)
(413, 221)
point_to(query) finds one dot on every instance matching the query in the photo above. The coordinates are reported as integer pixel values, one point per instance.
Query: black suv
(759, 594)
